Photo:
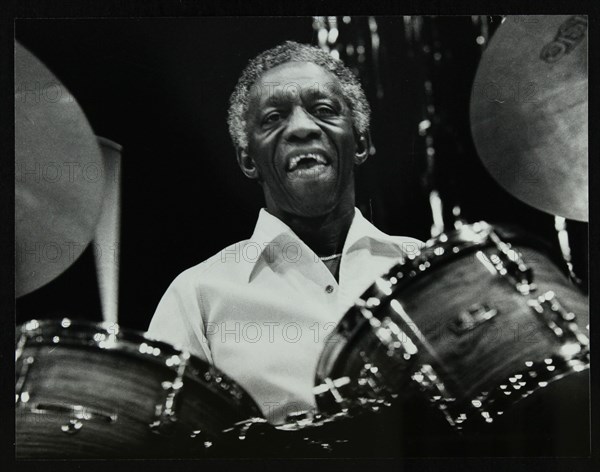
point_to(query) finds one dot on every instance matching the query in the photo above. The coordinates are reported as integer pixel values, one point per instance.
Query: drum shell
(470, 360)
(122, 389)
(475, 359)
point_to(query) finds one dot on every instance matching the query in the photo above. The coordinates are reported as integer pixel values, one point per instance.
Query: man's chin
(314, 207)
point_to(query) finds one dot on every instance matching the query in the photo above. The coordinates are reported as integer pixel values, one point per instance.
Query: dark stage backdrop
(160, 88)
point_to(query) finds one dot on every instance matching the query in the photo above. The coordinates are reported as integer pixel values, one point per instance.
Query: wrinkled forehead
(294, 81)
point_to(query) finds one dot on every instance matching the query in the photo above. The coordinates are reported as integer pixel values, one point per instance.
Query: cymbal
(529, 106)
(59, 175)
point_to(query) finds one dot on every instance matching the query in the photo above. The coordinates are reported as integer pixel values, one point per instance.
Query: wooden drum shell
(512, 380)
(76, 399)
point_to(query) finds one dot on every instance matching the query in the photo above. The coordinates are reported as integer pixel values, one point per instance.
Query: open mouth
(306, 161)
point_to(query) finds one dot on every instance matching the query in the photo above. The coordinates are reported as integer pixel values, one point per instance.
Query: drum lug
(391, 335)
(435, 390)
(20, 395)
(561, 322)
(78, 414)
(373, 392)
(20, 346)
(165, 415)
(510, 265)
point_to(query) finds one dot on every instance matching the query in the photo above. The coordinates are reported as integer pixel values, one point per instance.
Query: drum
(86, 390)
(476, 345)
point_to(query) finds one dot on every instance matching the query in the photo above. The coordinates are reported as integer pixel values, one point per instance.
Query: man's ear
(246, 163)
(363, 147)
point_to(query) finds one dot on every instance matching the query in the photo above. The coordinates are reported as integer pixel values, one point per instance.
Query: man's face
(301, 139)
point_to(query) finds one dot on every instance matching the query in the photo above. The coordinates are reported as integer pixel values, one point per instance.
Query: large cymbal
(59, 175)
(529, 108)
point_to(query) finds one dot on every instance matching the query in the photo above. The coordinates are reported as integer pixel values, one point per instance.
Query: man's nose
(301, 126)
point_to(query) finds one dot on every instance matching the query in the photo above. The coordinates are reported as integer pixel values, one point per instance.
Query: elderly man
(260, 309)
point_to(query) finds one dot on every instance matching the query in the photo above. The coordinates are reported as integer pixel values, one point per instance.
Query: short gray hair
(291, 51)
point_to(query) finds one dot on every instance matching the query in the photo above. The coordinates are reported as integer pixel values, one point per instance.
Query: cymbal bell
(59, 175)
(529, 106)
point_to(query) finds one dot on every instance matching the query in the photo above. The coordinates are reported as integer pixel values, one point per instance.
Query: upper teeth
(294, 160)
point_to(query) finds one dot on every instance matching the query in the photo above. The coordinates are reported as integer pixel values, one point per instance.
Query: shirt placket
(315, 270)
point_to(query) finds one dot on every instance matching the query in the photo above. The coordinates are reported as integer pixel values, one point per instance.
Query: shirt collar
(268, 228)
(363, 233)
(270, 234)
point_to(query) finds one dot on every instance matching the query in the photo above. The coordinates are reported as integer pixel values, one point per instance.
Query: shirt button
(329, 288)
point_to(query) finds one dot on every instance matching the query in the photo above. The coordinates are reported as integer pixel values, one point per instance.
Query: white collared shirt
(260, 309)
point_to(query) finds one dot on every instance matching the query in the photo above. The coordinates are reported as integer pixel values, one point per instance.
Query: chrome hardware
(166, 413)
(536, 375)
(20, 395)
(427, 378)
(331, 385)
(417, 264)
(78, 333)
(560, 321)
(485, 261)
(368, 390)
(304, 420)
(77, 414)
(489, 405)
(435, 390)
(399, 342)
(472, 317)
(243, 427)
(390, 334)
(509, 264)
(370, 377)
(372, 388)
(200, 437)
(301, 420)
(572, 357)
(466, 235)
(72, 427)
(20, 346)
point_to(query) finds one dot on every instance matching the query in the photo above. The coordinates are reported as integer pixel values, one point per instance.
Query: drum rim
(485, 228)
(65, 326)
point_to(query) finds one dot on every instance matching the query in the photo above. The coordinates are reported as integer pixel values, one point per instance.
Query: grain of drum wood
(88, 390)
(480, 327)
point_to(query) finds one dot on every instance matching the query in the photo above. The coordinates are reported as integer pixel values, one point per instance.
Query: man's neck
(325, 235)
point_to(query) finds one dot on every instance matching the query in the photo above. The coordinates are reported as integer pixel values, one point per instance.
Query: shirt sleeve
(178, 320)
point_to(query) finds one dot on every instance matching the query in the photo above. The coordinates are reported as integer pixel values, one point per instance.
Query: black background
(160, 87)
(84, 304)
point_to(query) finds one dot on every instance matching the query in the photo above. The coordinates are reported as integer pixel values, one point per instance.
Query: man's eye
(324, 110)
(272, 117)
